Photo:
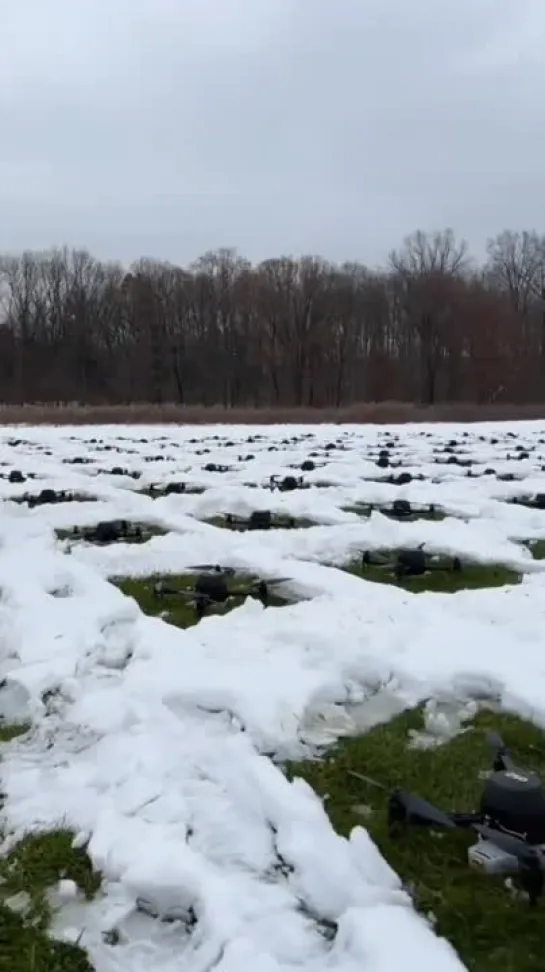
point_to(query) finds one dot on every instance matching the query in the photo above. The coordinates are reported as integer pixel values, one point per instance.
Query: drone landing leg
(531, 881)
(200, 608)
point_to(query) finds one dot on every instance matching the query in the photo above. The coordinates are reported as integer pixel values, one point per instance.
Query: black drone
(411, 563)
(536, 502)
(47, 497)
(401, 479)
(287, 484)
(385, 460)
(403, 510)
(16, 476)
(111, 531)
(214, 586)
(120, 471)
(258, 520)
(172, 489)
(510, 821)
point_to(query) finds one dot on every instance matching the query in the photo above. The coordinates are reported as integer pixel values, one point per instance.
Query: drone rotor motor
(514, 799)
(260, 520)
(211, 587)
(411, 563)
(401, 508)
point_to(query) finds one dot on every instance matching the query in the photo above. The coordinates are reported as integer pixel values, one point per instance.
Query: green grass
(26, 948)
(33, 866)
(9, 732)
(472, 576)
(177, 611)
(537, 548)
(491, 929)
(279, 522)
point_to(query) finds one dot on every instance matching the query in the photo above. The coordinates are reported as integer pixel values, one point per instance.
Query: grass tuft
(9, 732)
(536, 548)
(32, 867)
(25, 948)
(38, 862)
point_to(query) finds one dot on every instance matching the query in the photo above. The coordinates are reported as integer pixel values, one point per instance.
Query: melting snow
(153, 741)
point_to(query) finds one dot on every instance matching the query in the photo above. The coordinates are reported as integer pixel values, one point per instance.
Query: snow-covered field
(158, 743)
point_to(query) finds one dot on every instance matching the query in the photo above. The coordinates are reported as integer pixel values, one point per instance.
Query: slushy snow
(160, 745)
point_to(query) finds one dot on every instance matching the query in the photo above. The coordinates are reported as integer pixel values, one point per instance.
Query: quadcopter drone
(401, 479)
(510, 821)
(171, 489)
(213, 587)
(385, 460)
(111, 531)
(216, 467)
(119, 471)
(411, 563)
(16, 476)
(46, 497)
(287, 483)
(536, 502)
(403, 510)
(258, 520)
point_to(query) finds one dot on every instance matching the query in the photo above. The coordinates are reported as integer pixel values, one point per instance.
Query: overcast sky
(168, 127)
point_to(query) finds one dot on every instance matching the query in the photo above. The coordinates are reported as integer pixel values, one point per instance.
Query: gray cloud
(167, 127)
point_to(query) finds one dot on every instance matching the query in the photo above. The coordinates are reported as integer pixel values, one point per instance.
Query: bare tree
(431, 326)
(426, 267)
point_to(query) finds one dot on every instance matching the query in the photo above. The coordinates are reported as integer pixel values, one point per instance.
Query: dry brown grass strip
(365, 412)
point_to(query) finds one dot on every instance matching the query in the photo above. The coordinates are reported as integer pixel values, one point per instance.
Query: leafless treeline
(432, 326)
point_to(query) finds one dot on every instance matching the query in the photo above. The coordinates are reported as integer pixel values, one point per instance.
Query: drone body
(405, 511)
(212, 587)
(287, 483)
(259, 520)
(514, 801)
(510, 821)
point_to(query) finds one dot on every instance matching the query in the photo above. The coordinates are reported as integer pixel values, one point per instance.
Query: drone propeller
(375, 559)
(413, 809)
(211, 568)
(370, 780)
(276, 580)
(409, 808)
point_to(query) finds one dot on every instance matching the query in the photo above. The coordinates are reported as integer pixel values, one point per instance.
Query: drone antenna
(369, 780)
